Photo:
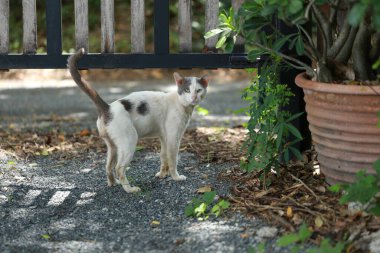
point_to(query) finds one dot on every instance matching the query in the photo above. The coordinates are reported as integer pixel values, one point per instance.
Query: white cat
(143, 114)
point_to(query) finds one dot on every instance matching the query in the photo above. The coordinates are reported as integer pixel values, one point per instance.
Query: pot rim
(305, 83)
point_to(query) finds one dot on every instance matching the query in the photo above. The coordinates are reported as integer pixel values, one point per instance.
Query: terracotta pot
(343, 123)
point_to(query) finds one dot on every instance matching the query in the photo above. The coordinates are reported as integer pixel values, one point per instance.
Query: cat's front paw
(179, 178)
(161, 174)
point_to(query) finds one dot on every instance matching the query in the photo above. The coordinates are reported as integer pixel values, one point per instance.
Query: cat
(143, 114)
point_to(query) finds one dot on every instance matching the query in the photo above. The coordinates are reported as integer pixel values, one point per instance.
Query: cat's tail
(101, 105)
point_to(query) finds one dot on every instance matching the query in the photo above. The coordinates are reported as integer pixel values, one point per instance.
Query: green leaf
(257, 249)
(196, 201)
(326, 247)
(254, 54)
(189, 210)
(295, 249)
(288, 239)
(216, 210)
(295, 6)
(296, 153)
(11, 162)
(335, 188)
(281, 42)
(375, 210)
(356, 14)
(46, 236)
(213, 32)
(224, 204)
(362, 190)
(294, 131)
(376, 166)
(293, 117)
(221, 41)
(299, 46)
(230, 43)
(268, 10)
(202, 111)
(208, 197)
(200, 210)
(304, 233)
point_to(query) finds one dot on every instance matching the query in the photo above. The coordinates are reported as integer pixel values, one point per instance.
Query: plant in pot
(341, 85)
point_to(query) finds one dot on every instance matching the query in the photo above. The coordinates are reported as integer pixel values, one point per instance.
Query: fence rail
(108, 56)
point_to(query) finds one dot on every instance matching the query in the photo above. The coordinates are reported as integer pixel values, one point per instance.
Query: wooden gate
(108, 58)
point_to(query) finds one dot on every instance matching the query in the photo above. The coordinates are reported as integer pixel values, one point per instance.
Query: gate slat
(4, 26)
(184, 23)
(239, 44)
(29, 26)
(161, 27)
(212, 12)
(81, 24)
(138, 26)
(108, 24)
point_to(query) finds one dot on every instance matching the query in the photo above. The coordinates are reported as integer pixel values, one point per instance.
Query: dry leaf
(244, 236)
(289, 212)
(321, 189)
(262, 193)
(61, 137)
(318, 222)
(155, 223)
(203, 189)
(297, 220)
(85, 132)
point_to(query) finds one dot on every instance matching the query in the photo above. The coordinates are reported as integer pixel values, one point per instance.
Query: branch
(345, 53)
(324, 25)
(324, 35)
(340, 41)
(311, 44)
(296, 63)
(374, 55)
(334, 12)
(307, 9)
(360, 53)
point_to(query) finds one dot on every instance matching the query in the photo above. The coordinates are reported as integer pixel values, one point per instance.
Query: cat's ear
(178, 78)
(204, 80)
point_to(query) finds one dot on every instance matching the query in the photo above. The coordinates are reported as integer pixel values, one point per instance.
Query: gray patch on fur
(128, 105)
(143, 108)
(185, 83)
(107, 116)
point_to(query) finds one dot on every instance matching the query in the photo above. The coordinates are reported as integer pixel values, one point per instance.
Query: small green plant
(297, 242)
(201, 207)
(270, 126)
(363, 190)
(298, 237)
(202, 111)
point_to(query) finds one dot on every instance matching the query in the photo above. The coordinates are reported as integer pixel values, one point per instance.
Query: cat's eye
(187, 90)
(199, 90)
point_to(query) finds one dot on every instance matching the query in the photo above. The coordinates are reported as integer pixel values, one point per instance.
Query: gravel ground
(55, 205)
(65, 206)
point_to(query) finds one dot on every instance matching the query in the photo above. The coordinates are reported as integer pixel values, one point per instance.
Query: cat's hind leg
(111, 161)
(125, 145)
(164, 168)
